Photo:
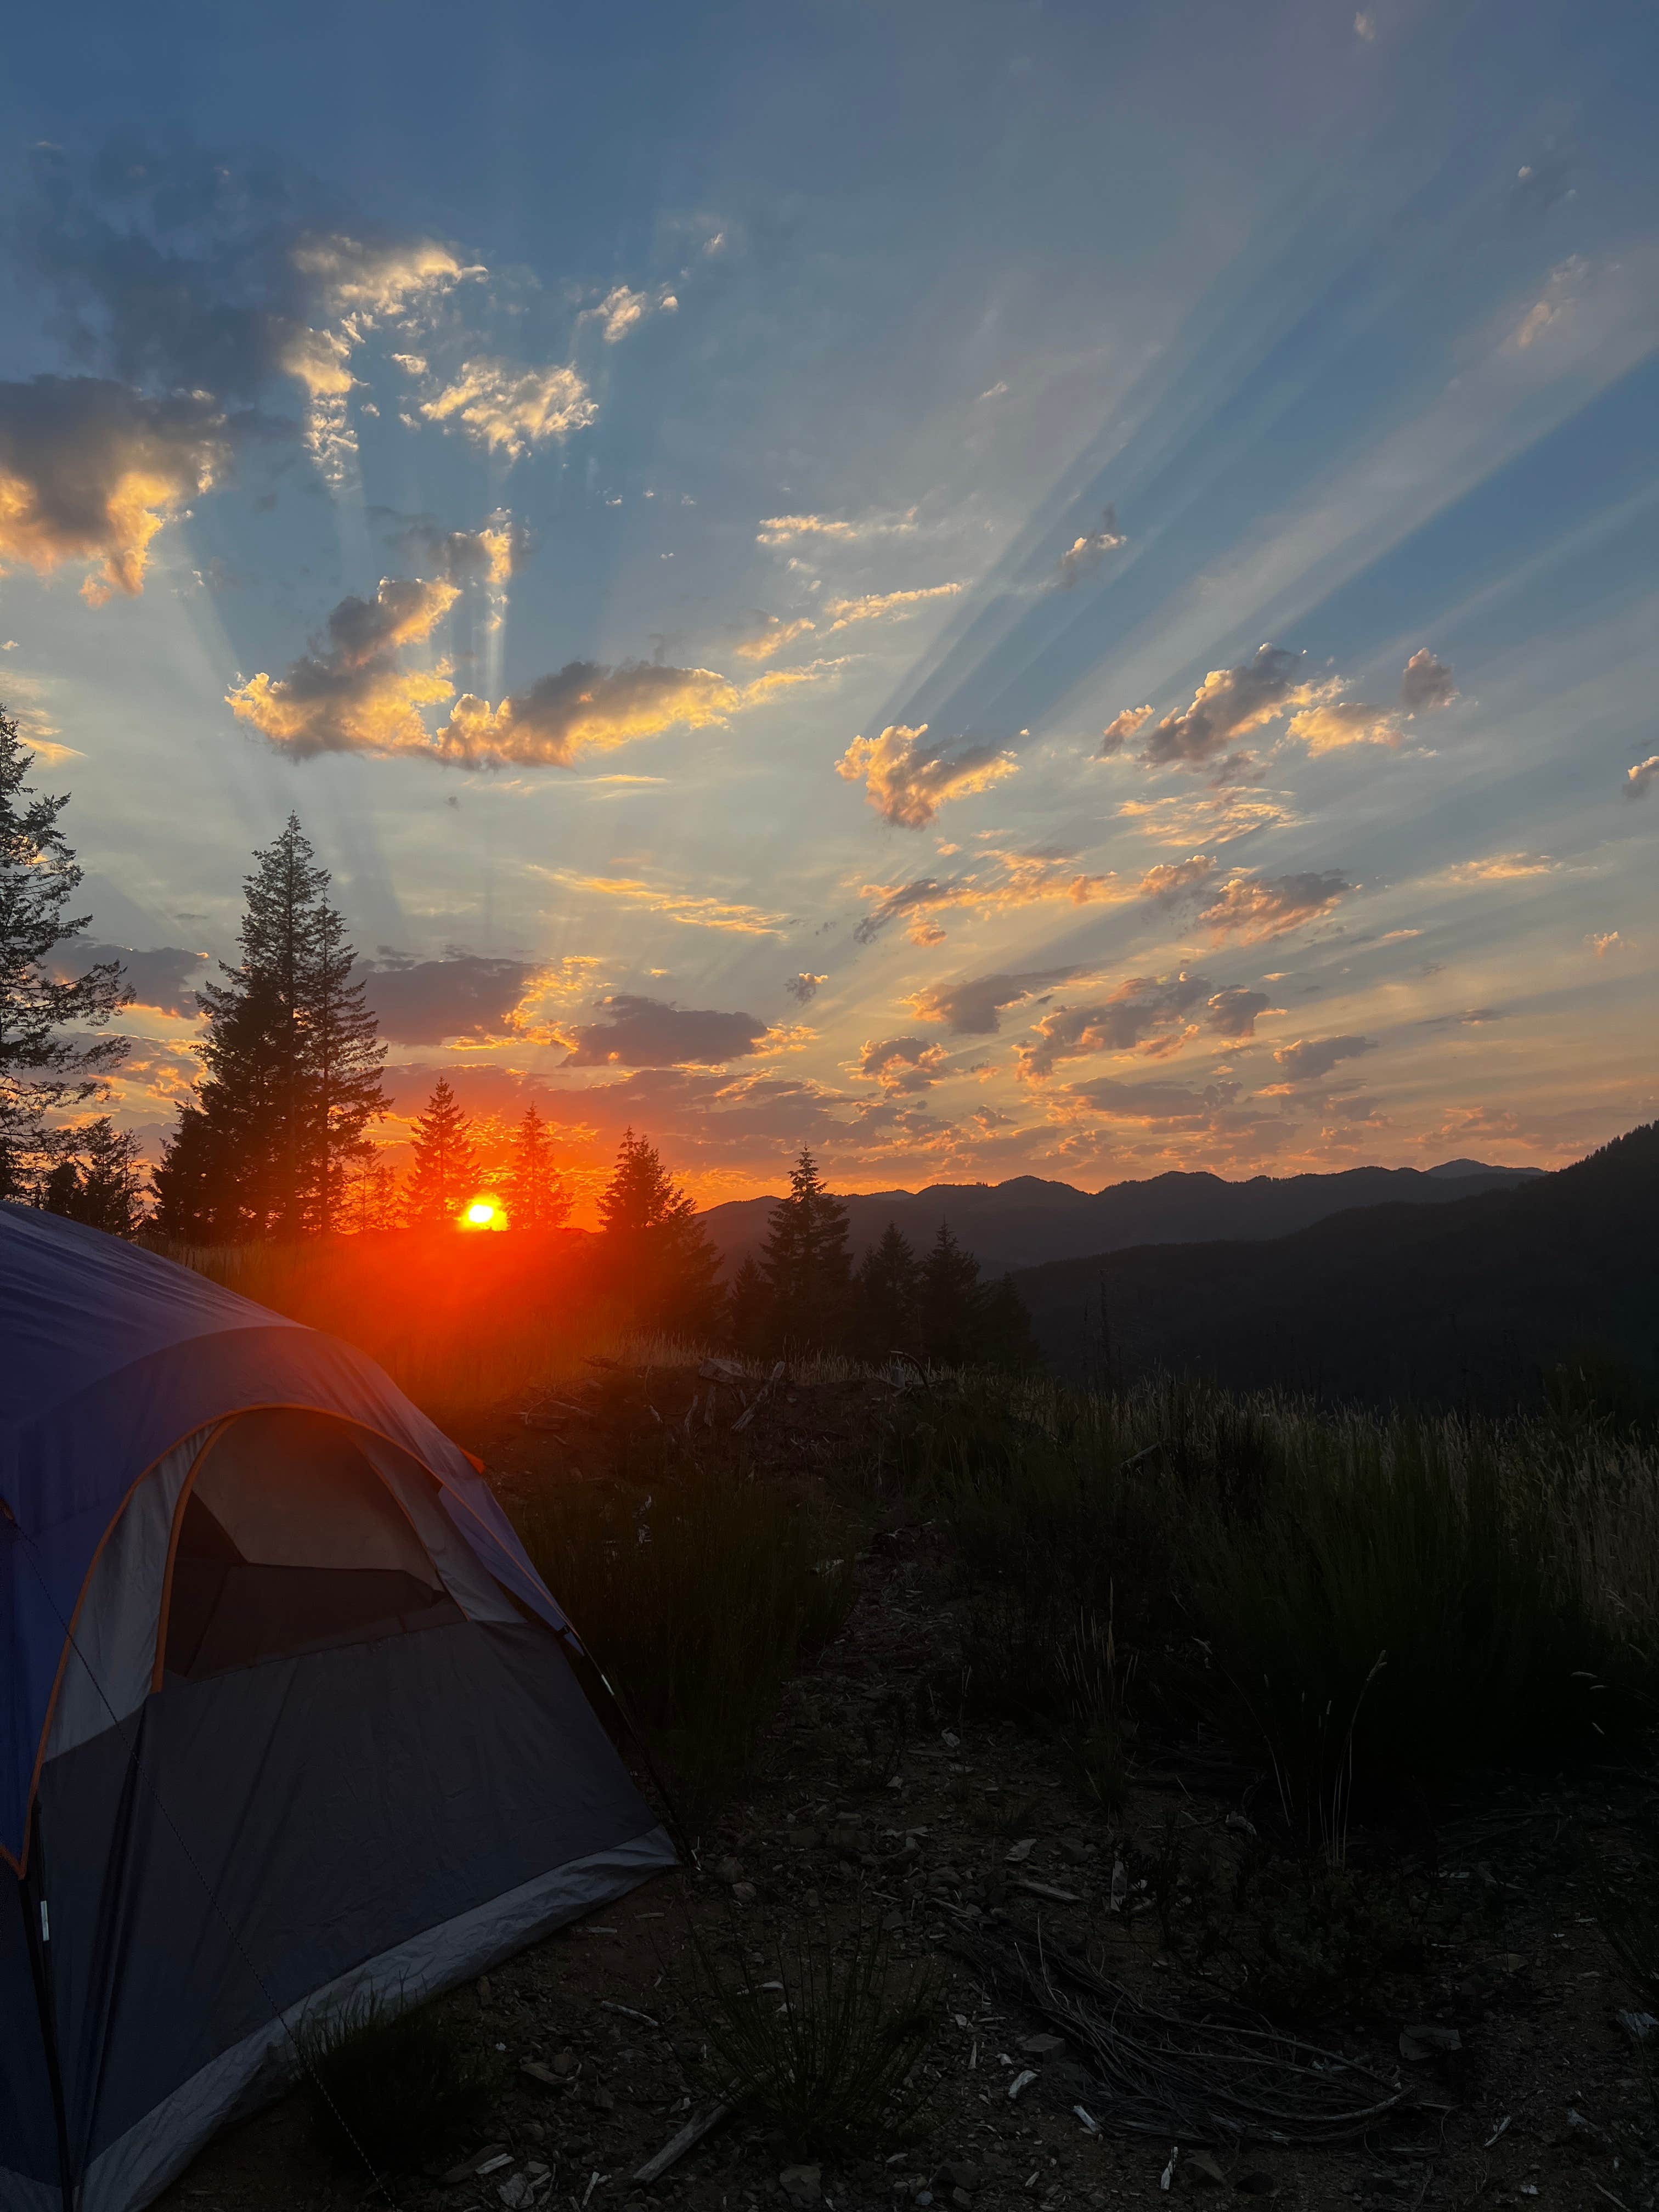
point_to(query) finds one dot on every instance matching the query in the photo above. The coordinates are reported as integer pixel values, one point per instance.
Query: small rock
(1202, 2171)
(565, 2064)
(743, 1893)
(1017, 1854)
(961, 2173)
(728, 1870)
(1021, 2082)
(603, 2101)
(483, 1989)
(802, 2185)
(1638, 2025)
(538, 2072)
(950, 1740)
(469, 2168)
(1041, 2045)
(1425, 2041)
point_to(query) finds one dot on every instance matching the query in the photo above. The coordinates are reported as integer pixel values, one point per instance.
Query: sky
(992, 589)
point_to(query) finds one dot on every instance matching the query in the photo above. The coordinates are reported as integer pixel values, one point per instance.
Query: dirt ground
(874, 1796)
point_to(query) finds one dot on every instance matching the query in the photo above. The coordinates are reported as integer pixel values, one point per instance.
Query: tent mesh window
(289, 1543)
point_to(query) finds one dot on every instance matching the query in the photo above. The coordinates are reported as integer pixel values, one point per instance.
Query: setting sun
(483, 1213)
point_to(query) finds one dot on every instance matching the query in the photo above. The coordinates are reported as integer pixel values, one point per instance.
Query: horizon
(1004, 594)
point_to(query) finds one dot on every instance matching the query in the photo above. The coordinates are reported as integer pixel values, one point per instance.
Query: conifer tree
(884, 1296)
(537, 1196)
(228, 1170)
(40, 1068)
(805, 1261)
(443, 1174)
(373, 1199)
(748, 1308)
(342, 1054)
(949, 1300)
(654, 1246)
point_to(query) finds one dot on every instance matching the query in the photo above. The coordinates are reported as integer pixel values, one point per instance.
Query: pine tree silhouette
(884, 1296)
(537, 1194)
(655, 1250)
(806, 1262)
(41, 1068)
(443, 1174)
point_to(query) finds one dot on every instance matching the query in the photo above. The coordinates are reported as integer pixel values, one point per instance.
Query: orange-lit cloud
(1641, 779)
(1254, 908)
(90, 471)
(907, 783)
(1501, 868)
(784, 529)
(350, 694)
(509, 408)
(695, 909)
(1005, 881)
(1146, 1014)
(776, 638)
(884, 607)
(586, 708)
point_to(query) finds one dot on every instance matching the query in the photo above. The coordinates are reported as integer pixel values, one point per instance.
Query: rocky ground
(1456, 1959)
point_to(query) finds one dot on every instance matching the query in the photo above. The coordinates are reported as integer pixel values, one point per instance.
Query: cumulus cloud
(588, 707)
(163, 980)
(1085, 555)
(90, 471)
(881, 606)
(1426, 684)
(786, 529)
(803, 988)
(621, 311)
(1121, 727)
(1330, 723)
(1235, 1013)
(640, 1032)
(463, 995)
(1254, 908)
(1310, 1058)
(1150, 1102)
(489, 556)
(697, 909)
(349, 693)
(975, 1006)
(1003, 882)
(908, 782)
(1228, 704)
(1641, 779)
(1172, 882)
(1146, 1014)
(901, 1063)
(509, 408)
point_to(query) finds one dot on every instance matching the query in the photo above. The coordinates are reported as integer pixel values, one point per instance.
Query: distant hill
(1471, 1299)
(1027, 1221)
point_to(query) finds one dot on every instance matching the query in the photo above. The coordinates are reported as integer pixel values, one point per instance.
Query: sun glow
(483, 1213)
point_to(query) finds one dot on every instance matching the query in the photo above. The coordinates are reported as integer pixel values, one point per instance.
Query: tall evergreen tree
(228, 1170)
(537, 1196)
(948, 1302)
(372, 1199)
(805, 1261)
(749, 1308)
(443, 1172)
(655, 1247)
(99, 1181)
(40, 1068)
(342, 1054)
(884, 1296)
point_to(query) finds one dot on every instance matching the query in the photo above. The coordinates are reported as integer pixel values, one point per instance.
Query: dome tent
(286, 1719)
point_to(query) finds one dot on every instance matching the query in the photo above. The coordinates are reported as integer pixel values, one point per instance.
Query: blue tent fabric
(109, 1356)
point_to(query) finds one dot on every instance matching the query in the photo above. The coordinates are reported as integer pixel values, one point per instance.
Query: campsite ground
(881, 1796)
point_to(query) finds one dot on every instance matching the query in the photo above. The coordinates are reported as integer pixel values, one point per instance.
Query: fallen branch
(692, 2133)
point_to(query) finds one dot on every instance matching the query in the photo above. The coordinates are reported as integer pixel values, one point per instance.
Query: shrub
(392, 2085)
(698, 1600)
(823, 2049)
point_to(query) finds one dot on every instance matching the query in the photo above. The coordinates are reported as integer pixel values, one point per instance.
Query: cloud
(694, 908)
(1234, 1012)
(1145, 1011)
(1016, 879)
(1150, 1102)
(776, 636)
(350, 694)
(1641, 779)
(163, 980)
(902, 1064)
(908, 783)
(1330, 723)
(803, 988)
(489, 556)
(1085, 555)
(975, 1006)
(785, 529)
(1122, 728)
(508, 408)
(1227, 704)
(880, 606)
(1308, 1059)
(1426, 684)
(621, 311)
(90, 471)
(588, 707)
(1254, 908)
(1173, 881)
(1558, 295)
(1219, 817)
(1501, 868)
(1605, 941)
(463, 995)
(640, 1032)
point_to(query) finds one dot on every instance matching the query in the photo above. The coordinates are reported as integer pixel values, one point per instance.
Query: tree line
(272, 1140)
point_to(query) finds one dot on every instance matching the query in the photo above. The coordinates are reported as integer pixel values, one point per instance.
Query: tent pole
(36, 1929)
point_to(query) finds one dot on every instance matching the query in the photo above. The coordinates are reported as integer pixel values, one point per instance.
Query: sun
(483, 1213)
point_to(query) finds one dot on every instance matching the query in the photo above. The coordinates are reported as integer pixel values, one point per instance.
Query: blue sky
(1000, 589)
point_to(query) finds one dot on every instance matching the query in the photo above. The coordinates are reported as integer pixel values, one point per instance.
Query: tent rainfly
(286, 1719)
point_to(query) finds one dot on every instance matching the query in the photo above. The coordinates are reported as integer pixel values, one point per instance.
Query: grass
(699, 1596)
(390, 2085)
(823, 2048)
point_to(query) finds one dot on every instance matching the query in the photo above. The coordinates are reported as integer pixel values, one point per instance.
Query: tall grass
(1363, 1601)
(698, 1597)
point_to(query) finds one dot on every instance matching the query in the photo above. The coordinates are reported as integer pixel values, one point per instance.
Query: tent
(287, 1718)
